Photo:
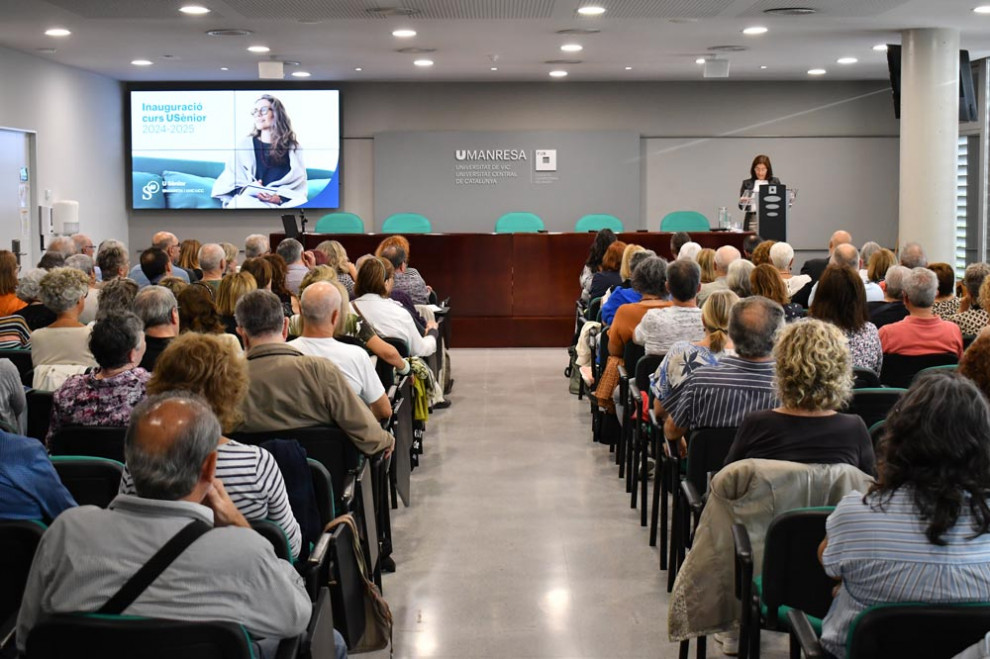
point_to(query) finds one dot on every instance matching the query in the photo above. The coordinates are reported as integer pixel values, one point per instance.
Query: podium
(772, 205)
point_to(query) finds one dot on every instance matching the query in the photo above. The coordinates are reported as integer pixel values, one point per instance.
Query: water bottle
(723, 217)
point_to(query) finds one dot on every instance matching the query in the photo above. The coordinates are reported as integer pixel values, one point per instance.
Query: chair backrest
(91, 481)
(684, 221)
(340, 223)
(865, 378)
(594, 308)
(935, 369)
(346, 584)
(406, 223)
(632, 352)
(39, 404)
(873, 404)
(645, 367)
(792, 575)
(707, 448)
(917, 630)
(22, 360)
(899, 370)
(96, 441)
(323, 486)
(597, 222)
(18, 541)
(384, 370)
(274, 534)
(127, 637)
(519, 223)
(968, 340)
(876, 432)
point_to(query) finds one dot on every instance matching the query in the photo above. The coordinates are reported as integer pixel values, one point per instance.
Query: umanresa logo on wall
(490, 154)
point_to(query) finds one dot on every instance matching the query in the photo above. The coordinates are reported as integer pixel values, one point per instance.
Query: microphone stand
(302, 220)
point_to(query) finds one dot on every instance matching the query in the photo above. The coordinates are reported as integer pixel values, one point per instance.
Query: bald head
(846, 255)
(84, 245)
(170, 446)
(840, 237)
(163, 240)
(320, 307)
(724, 256)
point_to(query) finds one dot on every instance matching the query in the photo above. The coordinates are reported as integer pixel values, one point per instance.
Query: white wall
(80, 137)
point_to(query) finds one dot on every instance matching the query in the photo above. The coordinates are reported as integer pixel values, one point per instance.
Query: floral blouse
(682, 358)
(865, 348)
(85, 401)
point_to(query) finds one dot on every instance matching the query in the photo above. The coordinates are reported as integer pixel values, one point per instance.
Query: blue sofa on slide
(195, 178)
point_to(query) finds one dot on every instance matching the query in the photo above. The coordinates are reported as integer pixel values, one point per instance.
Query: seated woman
(232, 288)
(106, 396)
(337, 259)
(34, 313)
(761, 253)
(62, 348)
(230, 254)
(814, 379)
(261, 270)
(737, 277)
(684, 357)
(290, 303)
(408, 280)
(14, 333)
(922, 531)
(593, 263)
(765, 280)
(946, 302)
(841, 300)
(608, 275)
(649, 279)
(116, 297)
(878, 265)
(9, 301)
(387, 316)
(198, 313)
(706, 261)
(189, 259)
(625, 293)
(207, 366)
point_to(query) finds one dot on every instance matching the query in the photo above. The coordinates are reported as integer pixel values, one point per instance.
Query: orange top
(625, 322)
(10, 304)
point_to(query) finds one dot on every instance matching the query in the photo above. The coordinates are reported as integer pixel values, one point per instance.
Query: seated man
(213, 264)
(230, 573)
(724, 256)
(291, 250)
(892, 308)
(112, 260)
(155, 266)
(256, 245)
(721, 396)
(291, 390)
(922, 332)
(320, 312)
(157, 308)
(168, 243)
(847, 255)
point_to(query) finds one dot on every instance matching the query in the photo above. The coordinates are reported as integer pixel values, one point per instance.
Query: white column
(929, 132)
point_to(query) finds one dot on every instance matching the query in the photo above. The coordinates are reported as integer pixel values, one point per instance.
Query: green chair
(935, 369)
(519, 223)
(340, 223)
(684, 221)
(406, 223)
(597, 222)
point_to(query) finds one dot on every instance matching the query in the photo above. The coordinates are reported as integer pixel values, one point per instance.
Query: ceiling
(658, 39)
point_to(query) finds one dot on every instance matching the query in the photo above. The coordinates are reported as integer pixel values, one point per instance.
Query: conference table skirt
(507, 290)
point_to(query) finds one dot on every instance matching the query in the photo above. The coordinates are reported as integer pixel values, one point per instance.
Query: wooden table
(508, 290)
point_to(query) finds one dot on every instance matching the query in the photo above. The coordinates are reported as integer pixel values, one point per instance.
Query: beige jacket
(751, 492)
(292, 390)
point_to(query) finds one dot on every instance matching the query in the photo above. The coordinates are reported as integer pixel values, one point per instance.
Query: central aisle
(520, 541)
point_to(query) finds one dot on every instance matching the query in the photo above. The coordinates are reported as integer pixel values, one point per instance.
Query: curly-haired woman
(62, 348)
(922, 532)
(814, 379)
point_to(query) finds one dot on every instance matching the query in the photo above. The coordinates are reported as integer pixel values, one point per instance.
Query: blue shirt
(29, 486)
(138, 275)
(618, 297)
(884, 556)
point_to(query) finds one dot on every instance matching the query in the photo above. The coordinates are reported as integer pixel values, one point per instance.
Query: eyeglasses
(263, 111)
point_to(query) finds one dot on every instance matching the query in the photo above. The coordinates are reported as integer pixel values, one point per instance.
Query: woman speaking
(760, 173)
(267, 170)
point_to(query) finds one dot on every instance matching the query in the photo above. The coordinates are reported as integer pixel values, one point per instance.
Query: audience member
(608, 273)
(116, 297)
(84, 264)
(603, 239)
(841, 301)
(62, 348)
(189, 259)
(737, 279)
(112, 260)
(84, 244)
(681, 320)
(9, 301)
(338, 260)
(847, 256)
(51, 259)
(261, 270)
(211, 261)
(321, 313)
(724, 256)
(256, 245)
(782, 258)
(765, 280)
(291, 390)
(689, 251)
(13, 402)
(63, 245)
(89, 553)
(230, 257)
(35, 314)
(684, 357)
(750, 243)
(291, 251)
(158, 310)
(389, 318)
(173, 284)
(814, 379)
(14, 333)
(411, 282)
(650, 281)
(721, 396)
(892, 309)
(866, 252)
(946, 302)
(627, 293)
(29, 485)
(761, 255)
(155, 266)
(677, 241)
(814, 268)
(972, 315)
(913, 256)
(198, 313)
(878, 265)
(706, 261)
(168, 243)
(975, 362)
(106, 396)
(921, 332)
(399, 296)
(290, 303)
(231, 289)
(933, 493)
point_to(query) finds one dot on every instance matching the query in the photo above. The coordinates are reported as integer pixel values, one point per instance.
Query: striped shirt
(251, 477)
(883, 556)
(720, 396)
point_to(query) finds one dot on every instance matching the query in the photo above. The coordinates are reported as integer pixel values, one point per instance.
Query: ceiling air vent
(728, 49)
(791, 11)
(578, 31)
(229, 33)
(412, 50)
(390, 12)
(563, 61)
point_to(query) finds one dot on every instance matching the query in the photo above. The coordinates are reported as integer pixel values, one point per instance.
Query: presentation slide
(231, 149)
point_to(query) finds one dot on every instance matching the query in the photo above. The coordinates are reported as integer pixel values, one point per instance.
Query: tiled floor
(520, 541)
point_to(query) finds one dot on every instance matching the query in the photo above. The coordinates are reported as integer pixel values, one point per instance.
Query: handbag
(377, 614)
(607, 384)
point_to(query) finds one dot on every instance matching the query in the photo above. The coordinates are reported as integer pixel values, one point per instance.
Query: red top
(921, 336)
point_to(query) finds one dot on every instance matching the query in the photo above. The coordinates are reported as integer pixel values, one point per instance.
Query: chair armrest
(7, 628)
(805, 635)
(312, 568)
(347, 496)
(693, 498)
(622, 372)
(744, 562)
(288, 648)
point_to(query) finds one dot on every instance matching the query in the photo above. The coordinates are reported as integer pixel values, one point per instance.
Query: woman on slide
(760, 173)
(267, 170)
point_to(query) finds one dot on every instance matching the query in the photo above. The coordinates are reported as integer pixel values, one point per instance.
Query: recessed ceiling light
(403, 34)
(982, 9)
(558, 74)
(846, 60)
(755, 29)
(817, 72)
(423, 62)
(57, 32)
(700, 60)
(141, 62)
(194, 10)
(301, 74)
(591, 10)
(494, 68)
(259, 49)
(224, 68)
(763, 67)
(628, 68)
(880, 48)
(358, 69)
(572, 48)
